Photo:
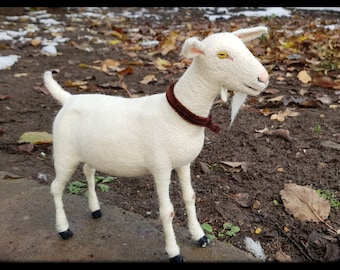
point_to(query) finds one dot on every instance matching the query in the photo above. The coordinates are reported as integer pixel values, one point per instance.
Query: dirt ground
(239, 174)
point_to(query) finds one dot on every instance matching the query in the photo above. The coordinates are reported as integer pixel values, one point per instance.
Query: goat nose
(264, 77)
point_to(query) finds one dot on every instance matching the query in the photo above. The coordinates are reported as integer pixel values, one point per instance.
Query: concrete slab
(27, 226)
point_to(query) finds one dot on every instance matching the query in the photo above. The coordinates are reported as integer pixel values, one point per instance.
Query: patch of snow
(255, 248)
(49, 50)
(8, 61)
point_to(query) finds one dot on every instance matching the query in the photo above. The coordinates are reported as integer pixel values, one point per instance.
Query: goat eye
(222, 55)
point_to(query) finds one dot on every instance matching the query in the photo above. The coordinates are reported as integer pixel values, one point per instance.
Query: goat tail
(54, 88)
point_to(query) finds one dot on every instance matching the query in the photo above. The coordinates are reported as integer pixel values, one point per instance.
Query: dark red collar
(188, 115)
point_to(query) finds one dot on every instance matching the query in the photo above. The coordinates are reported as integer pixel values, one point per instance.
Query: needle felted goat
(153, 134)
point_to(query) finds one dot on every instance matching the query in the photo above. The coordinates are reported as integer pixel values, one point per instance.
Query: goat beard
(236, 103)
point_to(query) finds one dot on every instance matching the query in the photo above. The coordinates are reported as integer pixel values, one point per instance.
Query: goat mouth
(253, 90)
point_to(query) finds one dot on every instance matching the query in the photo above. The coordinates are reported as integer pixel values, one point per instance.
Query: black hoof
(97, 214)
(203, 241)
(177, 259)
(66, 234)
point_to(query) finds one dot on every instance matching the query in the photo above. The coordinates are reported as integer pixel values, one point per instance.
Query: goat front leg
(166, 212)
(189, 198)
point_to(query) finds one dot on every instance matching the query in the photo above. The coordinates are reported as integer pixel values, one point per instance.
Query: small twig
(124, 86)
(333, 230)
(295, 244)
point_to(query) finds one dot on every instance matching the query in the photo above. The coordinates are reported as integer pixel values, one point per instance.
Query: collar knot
(188, 115)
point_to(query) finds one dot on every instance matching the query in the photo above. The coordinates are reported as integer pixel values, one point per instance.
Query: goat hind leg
(93, 199)
(189, 198)
(63, 174)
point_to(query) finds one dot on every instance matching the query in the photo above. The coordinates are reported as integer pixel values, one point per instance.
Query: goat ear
(247, 34)
(191, 48)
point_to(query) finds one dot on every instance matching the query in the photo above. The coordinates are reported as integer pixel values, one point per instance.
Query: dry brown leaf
(325, 99)
(304, 203)
(281, 116)
(162, 64)
(125, 71)
(3, 97)
(204, 167)
(235, 164)
(169, 44)
(283, 133)
(26, 147)
(310, 103)
(330, 144)
(9, 176)
(232, 164)
(109, 64)
(242, 199)
(148, 79)
(326, 82)
(304, 77)
(36, 42)
(69, 83)
(274, 99)
(271, 90)
(278, 116)
(280, 256)
(83, 47)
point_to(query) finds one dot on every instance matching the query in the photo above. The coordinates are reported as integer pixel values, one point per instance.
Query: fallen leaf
(280, 169)
(327, 243)
(325, 99)
(243, 199)
(36, 42)
(161, 64)
(330, 144)
(69, 83)
(18, 75)
(282, 115)
(41, 89)
(310, 103)
(26, 147)
(204, 167)
(274, 99)
(3, 97)
(280, 256)
(232, 164)
(148, 79)
(304, 77)
(326, 82)
(9, 176)
(304, 203)
(35, 137)
(283, 133)
(109, 64)
(169, 44)
(125, 71)
(83, 47)
(235, 164)
(114, 42)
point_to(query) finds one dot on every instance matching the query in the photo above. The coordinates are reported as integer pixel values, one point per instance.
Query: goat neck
(196, 93)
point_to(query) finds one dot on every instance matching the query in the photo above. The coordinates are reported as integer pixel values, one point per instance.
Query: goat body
(131, 137)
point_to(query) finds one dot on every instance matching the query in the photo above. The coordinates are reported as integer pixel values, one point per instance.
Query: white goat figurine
(154, 134)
